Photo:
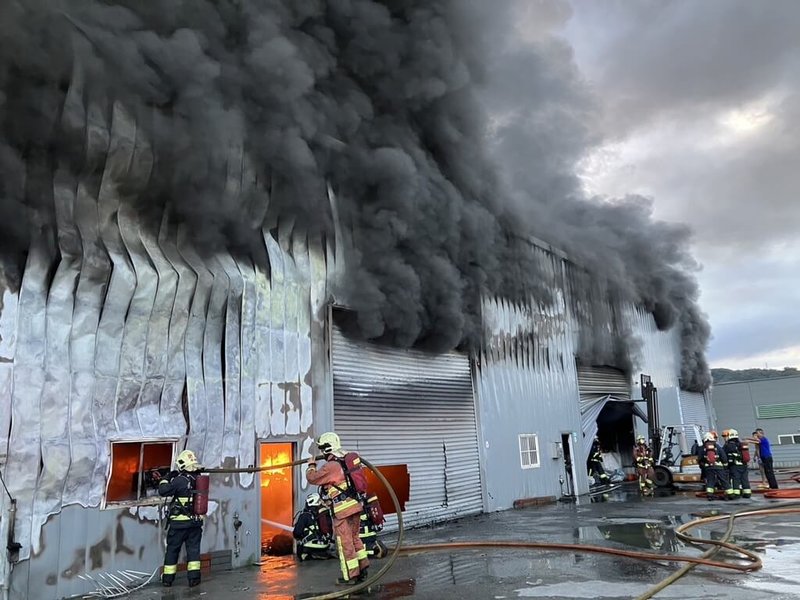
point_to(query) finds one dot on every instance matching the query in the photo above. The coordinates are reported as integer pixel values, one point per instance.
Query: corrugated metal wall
(408, 407)
(106, 332)
(694, 410)
(527, 384)
(659, 357)
(736, 403)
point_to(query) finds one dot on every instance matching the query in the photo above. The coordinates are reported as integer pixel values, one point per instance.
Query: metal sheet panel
(22, 468)
(526, 383)
(121, 287)
(594, 382)
(156, 357)
(173, 421)
(693, 409)
(408, 407)
(213, 351)
(193, 348)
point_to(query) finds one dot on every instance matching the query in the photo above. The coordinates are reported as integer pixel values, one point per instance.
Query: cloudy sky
(698, 108)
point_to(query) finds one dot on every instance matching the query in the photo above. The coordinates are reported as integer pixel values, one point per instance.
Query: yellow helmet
(187, 461)
(330, 443)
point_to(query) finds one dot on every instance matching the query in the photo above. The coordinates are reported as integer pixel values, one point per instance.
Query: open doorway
(617, 438)
(569, 465)
(277, 498)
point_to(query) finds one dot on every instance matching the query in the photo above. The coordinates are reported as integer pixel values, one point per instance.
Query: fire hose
(752, 560)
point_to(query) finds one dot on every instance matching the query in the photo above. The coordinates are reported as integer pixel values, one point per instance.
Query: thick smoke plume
(445, 144)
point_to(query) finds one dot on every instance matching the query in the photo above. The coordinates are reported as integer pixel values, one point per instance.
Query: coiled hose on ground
(752, 561)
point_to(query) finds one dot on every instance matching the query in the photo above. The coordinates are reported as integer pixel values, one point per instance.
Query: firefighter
(595, 464)
(714, 462)
(312, 529)
(339, 488)
(738, 456)
(643, 458)
(183, 525)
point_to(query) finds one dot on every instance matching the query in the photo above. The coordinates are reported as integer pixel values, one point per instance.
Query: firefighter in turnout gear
(595, 464)
(183, 525)
(714, 463)
(643, 458)
(340, 478)
(738, 456)
(313, 530)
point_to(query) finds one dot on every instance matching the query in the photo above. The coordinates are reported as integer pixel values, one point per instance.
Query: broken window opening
(132, 463)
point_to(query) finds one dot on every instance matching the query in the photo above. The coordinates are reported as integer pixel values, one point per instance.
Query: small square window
(130, 464)
(529, 450)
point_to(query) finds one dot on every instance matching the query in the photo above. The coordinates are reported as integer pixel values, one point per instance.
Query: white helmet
(314, 499)
(640, 439)
(732, 433)
(709, 437)
(330, 443)
(187, 461)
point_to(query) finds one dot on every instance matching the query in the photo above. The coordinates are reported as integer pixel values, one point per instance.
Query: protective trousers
(716, 477)
(740, 481)
(352, 554)
(177, 537)
(646, 477)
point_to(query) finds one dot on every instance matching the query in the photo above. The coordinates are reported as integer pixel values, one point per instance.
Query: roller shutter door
(409, 407)
(603, 381)
(693, 409)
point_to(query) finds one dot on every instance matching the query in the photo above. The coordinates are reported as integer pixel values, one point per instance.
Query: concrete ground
(621, 521)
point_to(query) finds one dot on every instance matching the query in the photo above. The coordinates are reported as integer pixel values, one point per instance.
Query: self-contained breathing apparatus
(710, 453)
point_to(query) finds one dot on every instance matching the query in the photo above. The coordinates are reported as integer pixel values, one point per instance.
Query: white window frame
(145, 501)
(528, 445)
(794, 438)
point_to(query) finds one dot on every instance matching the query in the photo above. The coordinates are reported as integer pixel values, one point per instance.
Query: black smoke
(405, 107)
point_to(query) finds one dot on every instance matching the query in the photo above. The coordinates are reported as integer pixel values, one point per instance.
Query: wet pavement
(621, 521)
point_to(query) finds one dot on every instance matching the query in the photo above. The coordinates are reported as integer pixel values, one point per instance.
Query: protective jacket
(642, 456)
(343, 498)
(181, 485)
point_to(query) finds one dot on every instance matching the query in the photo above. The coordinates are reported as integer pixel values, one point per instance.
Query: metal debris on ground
(117, 584)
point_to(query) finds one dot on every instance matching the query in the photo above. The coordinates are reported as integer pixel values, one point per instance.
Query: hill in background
(724, 375)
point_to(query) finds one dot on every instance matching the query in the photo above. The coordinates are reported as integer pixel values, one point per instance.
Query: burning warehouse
(232, 227)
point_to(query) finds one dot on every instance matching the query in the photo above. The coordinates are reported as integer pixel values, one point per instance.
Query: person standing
(184, 527)
(643, 459)
(765, 451)
(714, 463)
(336, 477)
(738, 481)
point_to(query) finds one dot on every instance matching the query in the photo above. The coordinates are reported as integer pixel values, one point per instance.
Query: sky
(697, 107)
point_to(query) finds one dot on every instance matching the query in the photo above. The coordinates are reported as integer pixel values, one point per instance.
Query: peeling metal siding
(527, 383)
(108, 333)
(660, 358)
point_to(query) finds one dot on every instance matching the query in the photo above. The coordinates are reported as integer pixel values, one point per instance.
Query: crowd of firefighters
(724, 464)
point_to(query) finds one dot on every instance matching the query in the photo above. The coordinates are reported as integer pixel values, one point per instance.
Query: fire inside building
(210, 252)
